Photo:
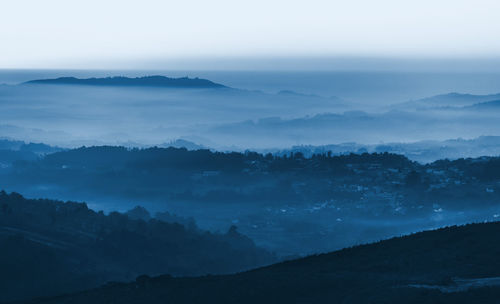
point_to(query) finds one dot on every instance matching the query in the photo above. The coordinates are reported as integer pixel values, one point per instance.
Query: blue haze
(356, 86)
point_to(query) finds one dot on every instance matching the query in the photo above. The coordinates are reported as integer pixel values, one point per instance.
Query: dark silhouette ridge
(146, 81)
(51, 247)
(426, 267)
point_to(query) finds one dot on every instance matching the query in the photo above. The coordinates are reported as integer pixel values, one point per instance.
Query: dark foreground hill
(429, 267)
(147, 81)
(50, 247)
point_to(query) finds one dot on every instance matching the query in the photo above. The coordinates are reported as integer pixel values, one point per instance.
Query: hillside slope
(413, 269)
(51, 247)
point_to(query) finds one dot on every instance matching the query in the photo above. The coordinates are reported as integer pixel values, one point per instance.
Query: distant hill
(489, 105)
(449, 265)
(7, 144)
(147, 81)
(14, 150)
(422, 151)
(293, 93)
(447, 100)
(182, 143)
(52, 247)
(37, 148)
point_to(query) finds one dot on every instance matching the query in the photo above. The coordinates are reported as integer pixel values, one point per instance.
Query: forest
(56, 247)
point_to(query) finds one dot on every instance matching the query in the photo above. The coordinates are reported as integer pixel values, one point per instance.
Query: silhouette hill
(449, 265)
(52, 247)
(147, 81)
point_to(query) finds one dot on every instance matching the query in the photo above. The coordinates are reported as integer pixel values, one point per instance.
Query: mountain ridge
(121, 81)
(487, 105)
(452, 99)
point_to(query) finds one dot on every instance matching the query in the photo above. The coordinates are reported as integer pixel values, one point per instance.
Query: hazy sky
(123, 33)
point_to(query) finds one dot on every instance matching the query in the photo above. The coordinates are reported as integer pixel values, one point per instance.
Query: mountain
(354, 126)
(293, 93)
(147, 81)
(488, 105)
(36, 148)
(446, 100)
(51, 247)
(451, 265)
(457, 99)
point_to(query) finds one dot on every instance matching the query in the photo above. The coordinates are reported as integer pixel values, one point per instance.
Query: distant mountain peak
(121, 81)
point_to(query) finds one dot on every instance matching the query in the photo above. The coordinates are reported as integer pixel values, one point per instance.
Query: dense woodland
(52, 247)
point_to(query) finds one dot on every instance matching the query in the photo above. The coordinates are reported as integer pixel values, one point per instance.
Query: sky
(149, 33)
